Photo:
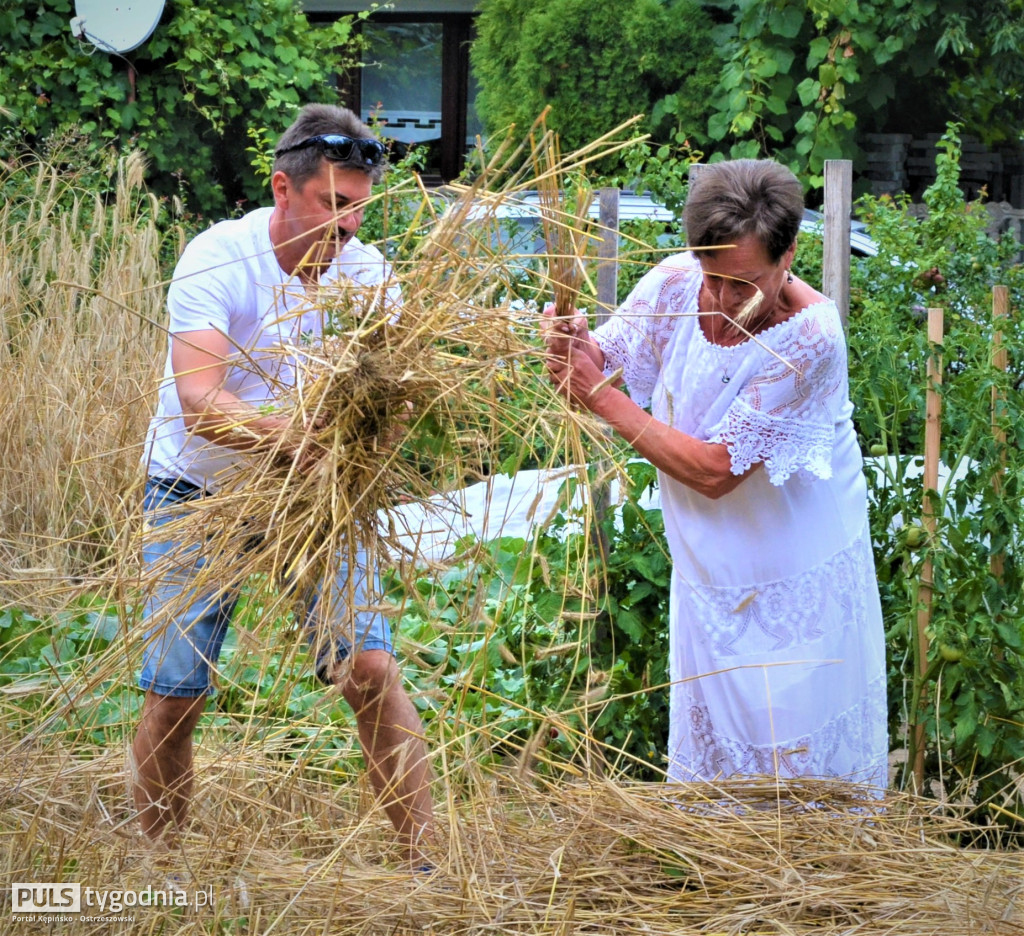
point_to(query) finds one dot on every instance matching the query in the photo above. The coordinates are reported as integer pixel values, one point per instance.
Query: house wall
(410, 7)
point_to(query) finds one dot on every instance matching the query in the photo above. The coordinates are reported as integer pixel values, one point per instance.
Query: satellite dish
(116, 25)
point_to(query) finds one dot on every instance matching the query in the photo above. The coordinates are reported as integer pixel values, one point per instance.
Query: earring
(789, 276)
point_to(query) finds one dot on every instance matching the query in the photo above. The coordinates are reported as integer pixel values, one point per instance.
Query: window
(416, 84)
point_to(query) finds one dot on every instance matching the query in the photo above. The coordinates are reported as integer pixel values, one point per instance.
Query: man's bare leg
(162, 769)
(391, 735)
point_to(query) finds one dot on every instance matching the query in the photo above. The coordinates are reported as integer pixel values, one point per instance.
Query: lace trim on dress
(785, 445)
(636, 336)
(848, 738)
(788, 612)
(785, 416)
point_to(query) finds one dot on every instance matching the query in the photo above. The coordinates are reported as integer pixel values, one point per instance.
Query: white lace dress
(777, 649)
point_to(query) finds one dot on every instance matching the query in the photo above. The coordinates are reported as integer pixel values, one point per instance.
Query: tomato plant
(971, 701)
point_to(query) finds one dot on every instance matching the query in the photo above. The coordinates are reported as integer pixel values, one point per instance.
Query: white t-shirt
(228, 279)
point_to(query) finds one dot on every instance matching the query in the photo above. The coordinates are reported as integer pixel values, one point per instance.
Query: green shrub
(597, 64)
(205, 76)
(972, 699)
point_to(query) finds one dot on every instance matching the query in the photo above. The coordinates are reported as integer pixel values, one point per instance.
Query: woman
(777, 649)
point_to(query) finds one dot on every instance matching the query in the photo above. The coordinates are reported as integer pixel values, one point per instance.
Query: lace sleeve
(636, 335)
(786, 415)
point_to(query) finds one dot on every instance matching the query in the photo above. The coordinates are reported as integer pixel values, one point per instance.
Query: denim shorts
(179, 651)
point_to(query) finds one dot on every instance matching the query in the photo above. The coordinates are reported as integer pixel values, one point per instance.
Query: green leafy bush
(802, 79)
(207, 75)
(597, 64)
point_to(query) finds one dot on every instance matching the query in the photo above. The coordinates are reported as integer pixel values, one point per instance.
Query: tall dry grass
(81, 303)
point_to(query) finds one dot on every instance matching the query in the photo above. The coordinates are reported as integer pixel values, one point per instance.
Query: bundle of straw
(564, 221)
(405, 402)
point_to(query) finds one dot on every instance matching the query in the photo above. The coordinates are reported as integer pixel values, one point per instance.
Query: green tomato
(950, 654)
(915, 536)
(879, 448)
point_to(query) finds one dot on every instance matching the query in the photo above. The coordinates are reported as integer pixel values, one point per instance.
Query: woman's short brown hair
(734, 199)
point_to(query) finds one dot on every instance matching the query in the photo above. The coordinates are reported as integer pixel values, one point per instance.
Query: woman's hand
(578, 378)
(561, 332)
(574, 361)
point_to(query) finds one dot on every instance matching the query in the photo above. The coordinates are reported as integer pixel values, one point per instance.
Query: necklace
(710, 337)
(747, 332)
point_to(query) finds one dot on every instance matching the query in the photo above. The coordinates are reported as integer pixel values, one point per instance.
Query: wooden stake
(607, 254)
(835, 272)
(607, 300)
(1000, 310)
(932, 440)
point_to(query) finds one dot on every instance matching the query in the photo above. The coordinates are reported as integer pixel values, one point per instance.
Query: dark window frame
(457, 32)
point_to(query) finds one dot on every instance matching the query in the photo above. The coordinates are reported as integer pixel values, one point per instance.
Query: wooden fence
(835, 261)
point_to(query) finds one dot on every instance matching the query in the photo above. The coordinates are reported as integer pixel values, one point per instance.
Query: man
(239, 287)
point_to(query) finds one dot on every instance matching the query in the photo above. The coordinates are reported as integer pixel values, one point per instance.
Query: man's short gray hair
(317, 120)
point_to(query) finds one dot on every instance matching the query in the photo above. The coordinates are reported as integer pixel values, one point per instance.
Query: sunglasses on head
(339, 148)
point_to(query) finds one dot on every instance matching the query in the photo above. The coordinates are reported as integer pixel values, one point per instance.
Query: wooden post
(607, 301)
(835, 269)
(1000, 310)
(932, 440)
(607, 253)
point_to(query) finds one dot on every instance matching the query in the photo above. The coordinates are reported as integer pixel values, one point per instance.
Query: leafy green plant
(802, 77)
(267, 692)
(75, 668)
(43, 660)
(186, 97)
(521, 637)
(970, 700)
(597, 64)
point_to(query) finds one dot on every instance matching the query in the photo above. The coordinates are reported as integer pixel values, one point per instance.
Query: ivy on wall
(208, 74)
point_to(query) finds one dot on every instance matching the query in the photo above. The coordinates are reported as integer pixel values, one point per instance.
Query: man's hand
(394, 435)
(300, 447)
(200, 362)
